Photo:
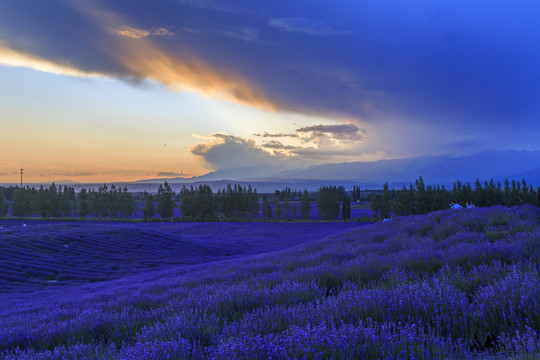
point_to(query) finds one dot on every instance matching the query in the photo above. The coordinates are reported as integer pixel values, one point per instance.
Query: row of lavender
(39, 254)
(451, 284)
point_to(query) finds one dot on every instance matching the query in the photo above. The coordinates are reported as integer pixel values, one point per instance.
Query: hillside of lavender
(452, 284)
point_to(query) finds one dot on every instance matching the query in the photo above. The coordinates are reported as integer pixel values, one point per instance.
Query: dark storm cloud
(470, 65)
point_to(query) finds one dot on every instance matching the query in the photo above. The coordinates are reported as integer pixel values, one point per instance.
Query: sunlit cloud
(133, 33)
(145, 60)
(338, 132)
(142, 33)
(161, 32)
(12, 57)
(228, 151)
(277, 135)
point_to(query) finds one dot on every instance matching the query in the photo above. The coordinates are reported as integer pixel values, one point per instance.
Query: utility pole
(21, 176)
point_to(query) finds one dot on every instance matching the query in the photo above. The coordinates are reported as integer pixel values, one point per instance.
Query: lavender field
(447, 285)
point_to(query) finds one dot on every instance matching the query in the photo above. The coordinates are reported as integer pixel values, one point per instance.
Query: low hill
(50, 254)
(450, 284)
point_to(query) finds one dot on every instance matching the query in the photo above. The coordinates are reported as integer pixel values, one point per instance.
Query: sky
(120, 90)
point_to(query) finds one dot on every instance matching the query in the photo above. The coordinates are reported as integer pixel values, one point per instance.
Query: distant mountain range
(436, 170)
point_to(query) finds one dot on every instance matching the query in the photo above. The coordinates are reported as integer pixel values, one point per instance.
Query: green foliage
(232, 202)
(238, 202)
(328, 202)
(422, 199)
(266, 208)
(346, 209)
(165, 200)
(22, 202)
(198, 202)
(3, 203)
(305, 205)
(149, 206)
(356, 193)
(283, 208)
(82, 198)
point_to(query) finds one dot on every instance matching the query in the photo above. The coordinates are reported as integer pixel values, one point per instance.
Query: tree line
(418, 198)
(243, 202)
(62, 201)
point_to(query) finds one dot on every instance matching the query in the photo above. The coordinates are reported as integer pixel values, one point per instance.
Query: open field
(450, 284)
(60, 253)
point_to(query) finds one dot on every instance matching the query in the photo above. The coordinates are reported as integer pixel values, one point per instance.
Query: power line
(21, 176)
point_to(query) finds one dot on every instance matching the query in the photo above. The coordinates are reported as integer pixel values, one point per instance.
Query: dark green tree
(149, 206)
(346, 209)
(278, 209)
(83, 203)
(3, 203)
(204, 201)
(252, 202)
(375, 201)
(328, 202)
(385, 201)
(165, 201)
(266, 208)
(22, 202)
(421, 197)
(305, 205)
(127, 203)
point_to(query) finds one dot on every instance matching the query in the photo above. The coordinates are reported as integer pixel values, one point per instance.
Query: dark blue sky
(423, 76)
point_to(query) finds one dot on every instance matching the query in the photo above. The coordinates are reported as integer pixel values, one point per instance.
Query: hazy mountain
(444, 170)
(433, 169)
(436, 170)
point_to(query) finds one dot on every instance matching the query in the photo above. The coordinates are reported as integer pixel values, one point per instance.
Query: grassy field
(448, 285)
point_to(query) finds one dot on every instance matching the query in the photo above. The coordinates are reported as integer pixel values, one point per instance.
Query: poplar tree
(346, 209)
(328, 202)
(165, 201)
(305, 205)
(149, 206)
(3, 203)
(266, 208)
(83, 203)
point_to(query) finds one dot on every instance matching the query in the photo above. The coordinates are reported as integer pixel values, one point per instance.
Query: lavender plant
(450, 284)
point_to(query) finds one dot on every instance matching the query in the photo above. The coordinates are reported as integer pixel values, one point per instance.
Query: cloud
(338, 132)
(133, 33)
(111, 55)
(303, 25)
(325, 143)
(268, 135)
(173, 173)
(228, 152)
(442, 63)
(278, 145)
(15, 58)
(76, 174)
(247, 34)
(161, 32)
